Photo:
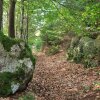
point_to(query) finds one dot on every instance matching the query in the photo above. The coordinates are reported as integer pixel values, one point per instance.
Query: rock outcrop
(85, 50)
(16, 65)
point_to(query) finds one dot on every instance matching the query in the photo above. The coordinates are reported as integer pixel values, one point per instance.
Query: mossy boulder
(97, 43)
(16, 65)
(74, 53)
(74, 42)
(85, 50)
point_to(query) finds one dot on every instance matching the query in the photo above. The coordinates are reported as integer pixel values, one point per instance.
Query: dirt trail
(57, 79)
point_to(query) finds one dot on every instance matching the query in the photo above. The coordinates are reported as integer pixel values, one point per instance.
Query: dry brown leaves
(57, 79)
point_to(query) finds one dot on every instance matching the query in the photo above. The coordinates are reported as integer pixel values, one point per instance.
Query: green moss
(27, 53)
(28, 50)
(8, 42)
(86, 52)
(5, 83)
(1, 33)
(6, 78)
(19, 75)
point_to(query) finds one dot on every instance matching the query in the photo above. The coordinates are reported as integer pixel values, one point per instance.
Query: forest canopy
(65, 15)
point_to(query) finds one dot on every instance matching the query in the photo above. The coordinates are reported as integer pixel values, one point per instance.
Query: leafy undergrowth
(57, 79)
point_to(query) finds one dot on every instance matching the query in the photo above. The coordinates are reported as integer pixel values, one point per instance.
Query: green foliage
(91, 15)
(90, 63)
(96, 85)
(53, 50)
(38, 43)
(70, 15)
(97, 44)
(50, 38)
(86, 88)
(84, 50)
(27, 97)
(8, 42)
(1, 33)
(55, 17)
(29, 54)
(51, 35)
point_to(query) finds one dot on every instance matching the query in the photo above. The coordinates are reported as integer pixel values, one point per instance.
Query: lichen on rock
(16, 65)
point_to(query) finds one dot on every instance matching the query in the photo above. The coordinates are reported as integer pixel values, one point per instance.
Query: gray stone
(16, 67)
(85, 50)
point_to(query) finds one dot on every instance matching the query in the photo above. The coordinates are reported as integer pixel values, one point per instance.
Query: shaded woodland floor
(57, 79)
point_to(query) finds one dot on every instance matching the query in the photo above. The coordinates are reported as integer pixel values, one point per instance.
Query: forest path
(57, 79)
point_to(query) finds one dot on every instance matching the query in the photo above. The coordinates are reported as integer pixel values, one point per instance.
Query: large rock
(16, 65)
(74, 51)
(97, 43)
(85, 50)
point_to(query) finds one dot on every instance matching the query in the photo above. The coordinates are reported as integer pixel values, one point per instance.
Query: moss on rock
(85, 51)
(16, 65)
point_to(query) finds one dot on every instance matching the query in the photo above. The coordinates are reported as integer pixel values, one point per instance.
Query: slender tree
(1, 13)
(22, 18)
(27, 22)
(11, 29)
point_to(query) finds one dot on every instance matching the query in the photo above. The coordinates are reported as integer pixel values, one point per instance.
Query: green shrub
(97, 43)
(50, 38)
(85, 50)
(38, 44)
(53, 50)
(74, 42)
(90, 63)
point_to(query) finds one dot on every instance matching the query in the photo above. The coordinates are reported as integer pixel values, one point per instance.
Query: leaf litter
(55, 78)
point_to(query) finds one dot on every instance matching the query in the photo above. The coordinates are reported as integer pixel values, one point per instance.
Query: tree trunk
(1, 14)
(11, 29)
(27, 29)
(27, 21)
(22, 18)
